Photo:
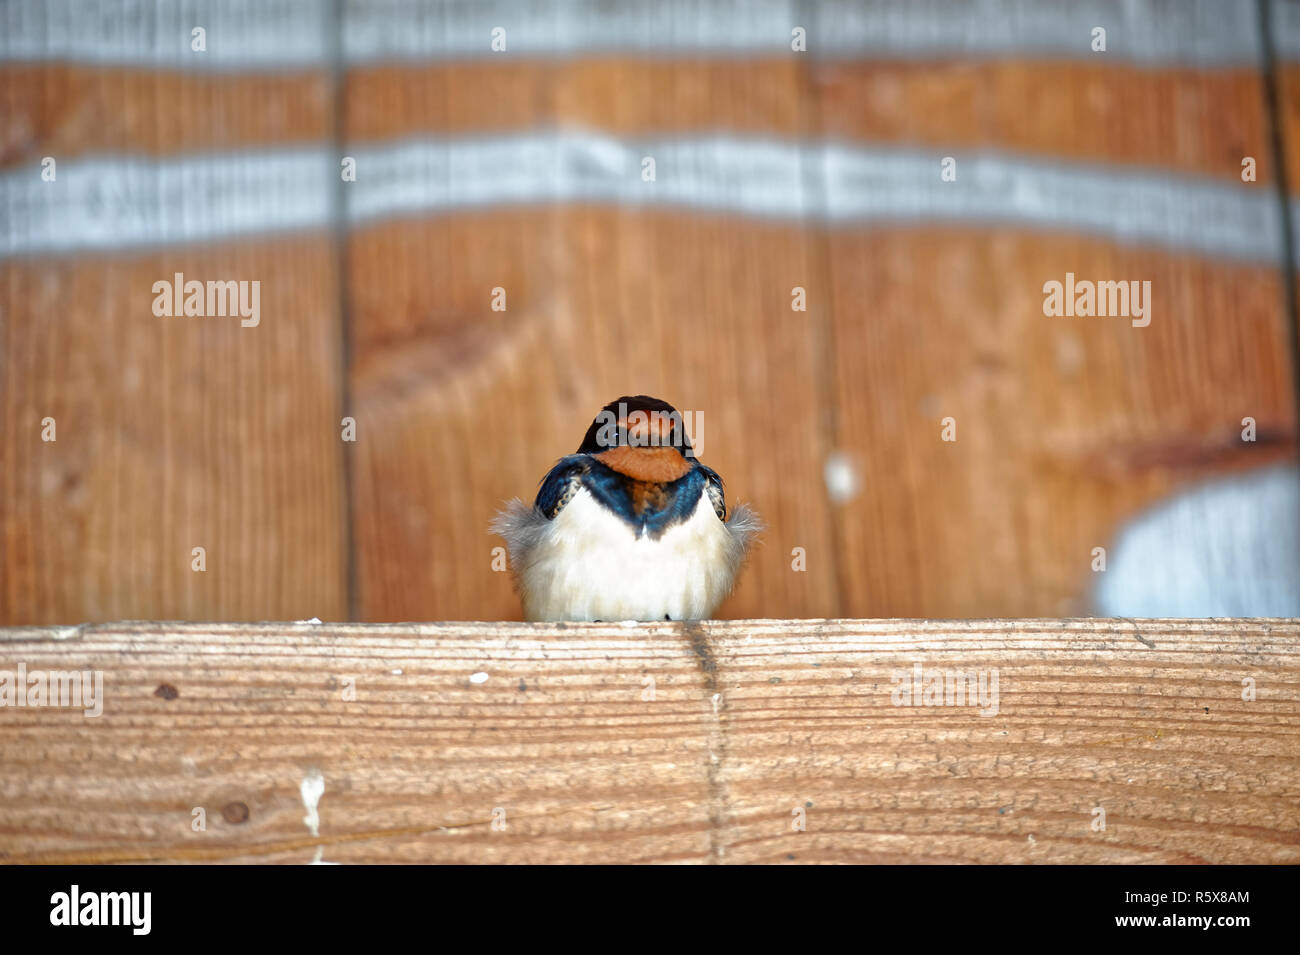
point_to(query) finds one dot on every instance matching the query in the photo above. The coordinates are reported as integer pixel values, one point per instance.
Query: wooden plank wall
(178, 435)
(746, 742)
(169, 435)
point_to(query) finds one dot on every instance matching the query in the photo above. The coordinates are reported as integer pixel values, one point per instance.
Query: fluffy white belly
(590, 565)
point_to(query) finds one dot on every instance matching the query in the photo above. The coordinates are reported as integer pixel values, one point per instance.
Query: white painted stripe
(253, 34)
(1228, 548)
(1128, 205)
(1285, 18)
(111, 202)
(1193, 32)
(107, 203)
(833, 183)
(295, 33)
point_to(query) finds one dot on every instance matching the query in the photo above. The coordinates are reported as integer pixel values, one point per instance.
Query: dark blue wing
(713, 487)
(559, 486)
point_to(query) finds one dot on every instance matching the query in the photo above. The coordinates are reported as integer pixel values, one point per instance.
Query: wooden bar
(1106, 741)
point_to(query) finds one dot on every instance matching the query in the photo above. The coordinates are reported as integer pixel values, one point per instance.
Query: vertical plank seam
(338, 77)
(719, 795)
(1271, 83)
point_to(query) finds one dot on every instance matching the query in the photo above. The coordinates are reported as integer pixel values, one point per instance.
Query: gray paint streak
(107, 202)
(1229, 548)
(274, 34)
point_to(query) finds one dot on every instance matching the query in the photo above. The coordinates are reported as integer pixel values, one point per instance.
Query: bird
(630, 527)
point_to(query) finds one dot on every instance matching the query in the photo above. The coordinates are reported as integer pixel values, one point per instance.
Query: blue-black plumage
(632, 526)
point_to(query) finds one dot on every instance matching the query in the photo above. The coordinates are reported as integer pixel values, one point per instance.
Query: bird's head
(642, 438)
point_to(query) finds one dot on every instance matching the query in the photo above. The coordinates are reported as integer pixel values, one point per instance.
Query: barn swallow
(631, 527)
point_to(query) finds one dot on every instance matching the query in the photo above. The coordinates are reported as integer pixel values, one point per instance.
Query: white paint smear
(111, 203)
(1228, 548)
(841, 477)
(312, 788)
(302, 34)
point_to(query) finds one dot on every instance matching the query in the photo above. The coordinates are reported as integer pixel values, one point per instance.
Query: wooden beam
(672, 742)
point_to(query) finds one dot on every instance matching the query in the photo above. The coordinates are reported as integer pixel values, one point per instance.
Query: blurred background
(500, 156)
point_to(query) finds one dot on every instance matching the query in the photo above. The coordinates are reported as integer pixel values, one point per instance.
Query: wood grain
(172, 433)
(168, 439)
(1183, 120)
(1066, 427)
(552, 729)
(67, 110)
(462, 408)
(1180, 121)
(626, 96)
(1069, 427)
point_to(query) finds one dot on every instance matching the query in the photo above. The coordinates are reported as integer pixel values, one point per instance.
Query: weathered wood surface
(554, 730)
(1066, 428)
(172, 436)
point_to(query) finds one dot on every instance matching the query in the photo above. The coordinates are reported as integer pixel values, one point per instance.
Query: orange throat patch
(654, 465)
